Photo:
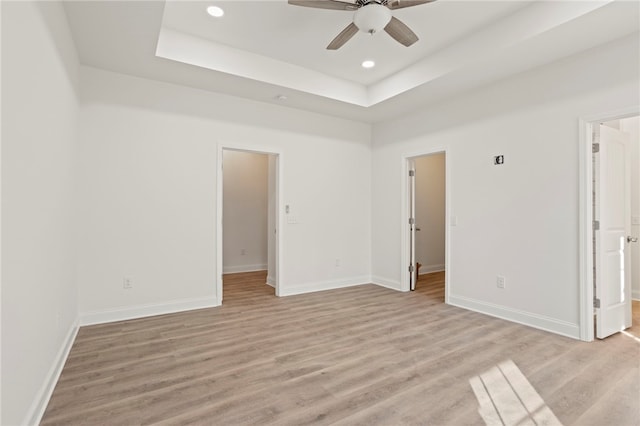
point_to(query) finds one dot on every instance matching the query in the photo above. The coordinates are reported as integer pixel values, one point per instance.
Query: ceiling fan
(370, 17)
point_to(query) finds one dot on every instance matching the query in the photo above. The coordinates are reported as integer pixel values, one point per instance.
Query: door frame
(411, 213)
(255, 149)
(586, 213)
(404, 216)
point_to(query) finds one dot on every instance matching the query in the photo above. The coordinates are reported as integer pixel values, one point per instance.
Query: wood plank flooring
(363, 355)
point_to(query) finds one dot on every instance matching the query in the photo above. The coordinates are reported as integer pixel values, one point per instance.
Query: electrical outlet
(337, 263)
(243, 252)
(127, 283)
(500, 281)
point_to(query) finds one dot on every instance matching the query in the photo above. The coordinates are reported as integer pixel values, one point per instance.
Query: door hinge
(595, 148)
(412, 221)
(596, 303)
(411, 268)
(596, 225)
(412, 173)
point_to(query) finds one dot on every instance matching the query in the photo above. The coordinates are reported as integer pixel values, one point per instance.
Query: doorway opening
(610, 224)
(427, 225)
(248, 223)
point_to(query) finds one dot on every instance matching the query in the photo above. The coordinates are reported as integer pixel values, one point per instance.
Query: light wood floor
(363, 355)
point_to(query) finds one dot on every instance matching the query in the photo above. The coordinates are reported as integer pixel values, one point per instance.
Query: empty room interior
(320, 212)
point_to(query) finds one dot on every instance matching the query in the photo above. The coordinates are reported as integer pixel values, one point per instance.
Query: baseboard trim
(40, 402)
(271, 281)
(324, 285)
(521, 317)
(383, 282)
(244, 268)
(429, 269)
(142, 311)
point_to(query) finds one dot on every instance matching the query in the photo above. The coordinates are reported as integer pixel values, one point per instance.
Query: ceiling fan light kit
(371, 16)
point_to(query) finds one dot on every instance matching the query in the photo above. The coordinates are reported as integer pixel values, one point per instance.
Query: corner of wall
(147, 310)
(271, 281)
(518, 316)
(40, 402)
(387, 283)
(324, 285)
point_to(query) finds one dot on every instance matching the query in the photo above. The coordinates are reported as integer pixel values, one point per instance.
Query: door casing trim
(585, 233)
(257, 149)
(404, 215)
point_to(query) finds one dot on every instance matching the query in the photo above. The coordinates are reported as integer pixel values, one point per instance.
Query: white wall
(519, 220)
(39, 119)
(148, 185)
(245, 189)
(632, 126)
(430, 212)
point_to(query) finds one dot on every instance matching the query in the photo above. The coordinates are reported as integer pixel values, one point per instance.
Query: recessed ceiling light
(368, 64)
(215, 11)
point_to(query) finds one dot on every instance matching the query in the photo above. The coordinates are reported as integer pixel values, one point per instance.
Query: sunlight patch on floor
(626, 333)
(507, 398)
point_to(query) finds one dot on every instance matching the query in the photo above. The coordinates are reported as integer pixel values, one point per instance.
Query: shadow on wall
(107, 87)
(577, 74)
(59, 34)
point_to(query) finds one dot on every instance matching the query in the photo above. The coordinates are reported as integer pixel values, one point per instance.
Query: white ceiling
(299, 35)
(262, 49)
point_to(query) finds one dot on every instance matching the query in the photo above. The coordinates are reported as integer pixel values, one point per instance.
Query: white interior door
(613, 211)
(413, 270)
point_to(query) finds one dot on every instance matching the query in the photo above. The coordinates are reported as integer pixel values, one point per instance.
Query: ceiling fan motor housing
(372, 17)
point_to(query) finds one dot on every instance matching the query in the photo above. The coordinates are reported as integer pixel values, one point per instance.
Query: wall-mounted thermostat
(498, 160)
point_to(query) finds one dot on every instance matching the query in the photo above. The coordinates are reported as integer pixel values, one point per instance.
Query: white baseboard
(244, 268)
(324, 285)
(271, 281)
(521, 317)
(428, 269)
(141, 311)
(40, 402)
(383, 282)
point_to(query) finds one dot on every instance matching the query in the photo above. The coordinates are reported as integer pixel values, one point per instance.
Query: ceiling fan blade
(344, 36)
(400, 32)
(325, 4)
(399, 4)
